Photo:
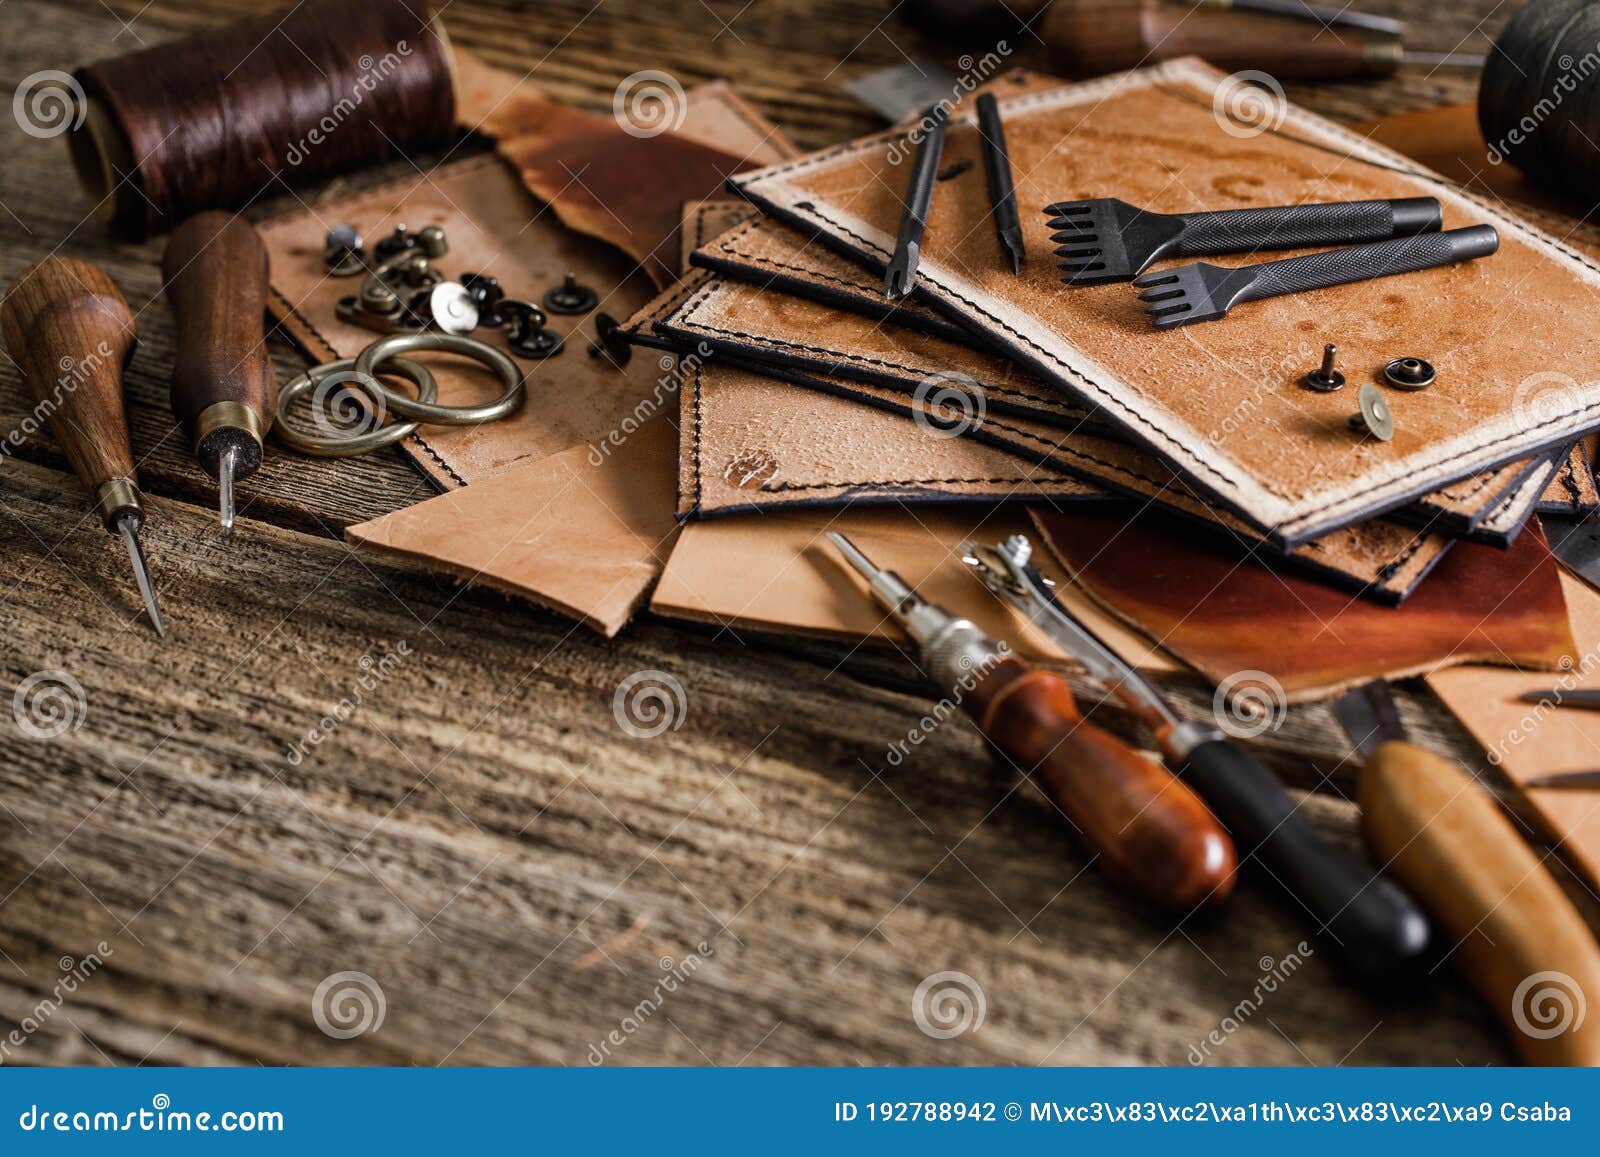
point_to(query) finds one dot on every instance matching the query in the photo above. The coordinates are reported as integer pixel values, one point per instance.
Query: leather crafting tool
(1104, 239)
(997, 172)
(224, 392)
(71, 333)
(902, 272)
(1375, 925)
(1203, 292)
(1147, 829)
(1285, 39)
(1511, 928)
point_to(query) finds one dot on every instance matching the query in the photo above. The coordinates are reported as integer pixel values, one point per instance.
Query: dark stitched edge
(692, 307)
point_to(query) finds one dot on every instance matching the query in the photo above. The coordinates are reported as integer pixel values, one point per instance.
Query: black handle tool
(997, 170)
(1202, 292)
(902, 273)
(1104, 239)
(1375, 925)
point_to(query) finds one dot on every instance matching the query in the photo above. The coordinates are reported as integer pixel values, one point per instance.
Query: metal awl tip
(225, 470)
(128, 528)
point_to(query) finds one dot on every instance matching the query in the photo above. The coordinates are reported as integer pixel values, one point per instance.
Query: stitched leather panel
(1289, 463)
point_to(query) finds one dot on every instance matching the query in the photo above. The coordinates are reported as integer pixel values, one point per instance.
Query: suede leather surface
(1219, 399)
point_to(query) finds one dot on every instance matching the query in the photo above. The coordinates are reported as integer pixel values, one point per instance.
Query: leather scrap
(1225, 611)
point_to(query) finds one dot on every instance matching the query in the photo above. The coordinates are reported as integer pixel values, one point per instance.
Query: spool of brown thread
(218, 119)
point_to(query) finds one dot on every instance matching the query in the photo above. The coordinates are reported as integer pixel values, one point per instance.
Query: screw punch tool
(997, 171)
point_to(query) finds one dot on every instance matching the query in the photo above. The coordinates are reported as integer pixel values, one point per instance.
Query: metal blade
(1005, 569)
(225, 470)
(1577, 545)
(899, 90)
(1581, 780)
(128, 528)
(1368, 716)
(1584, 700)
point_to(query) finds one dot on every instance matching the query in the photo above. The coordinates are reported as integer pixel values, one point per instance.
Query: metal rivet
(1374, 418)
(1409, 374)
(570, 298)
(1325, 379)
(527, 336)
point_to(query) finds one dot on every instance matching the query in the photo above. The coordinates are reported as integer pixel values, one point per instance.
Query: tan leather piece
(585, 530)
(493, 226)
(1526, 740)
(769, 255)
(777, 573)
(748, 442)
(1292, 467)
(577, 532)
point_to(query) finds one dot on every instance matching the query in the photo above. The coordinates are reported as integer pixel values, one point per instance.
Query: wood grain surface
(336, 767)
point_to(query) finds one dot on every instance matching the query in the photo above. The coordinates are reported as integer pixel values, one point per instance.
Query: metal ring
(334, 447)
(424, 409)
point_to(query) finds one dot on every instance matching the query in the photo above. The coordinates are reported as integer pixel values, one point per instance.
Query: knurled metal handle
(1365, 262)
(1294, 226)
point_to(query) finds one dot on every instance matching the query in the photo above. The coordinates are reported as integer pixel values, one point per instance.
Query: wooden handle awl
(1515, 934)
(71, 333)
(223, 388)
(1150, 831)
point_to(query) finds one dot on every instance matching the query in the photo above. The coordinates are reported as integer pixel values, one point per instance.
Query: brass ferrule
(1383, 56)
(227, 416)
(115, 498)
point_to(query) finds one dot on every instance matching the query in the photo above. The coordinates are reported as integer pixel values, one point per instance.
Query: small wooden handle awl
(223, 388)
(1150, 831)
(71, 333)
(1515, 934)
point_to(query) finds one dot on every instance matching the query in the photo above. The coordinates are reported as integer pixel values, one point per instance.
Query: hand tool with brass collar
(71, 333)
(1372, 923)
(224, 391)
(1149, 831)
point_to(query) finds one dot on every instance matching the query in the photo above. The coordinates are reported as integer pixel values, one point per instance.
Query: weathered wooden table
(518, 878)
